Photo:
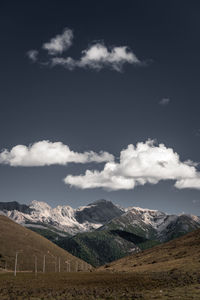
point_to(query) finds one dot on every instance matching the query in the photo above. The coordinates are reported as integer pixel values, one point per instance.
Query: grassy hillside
(167, 271)
(49, 233)
(100, 247)
(99, 286)
(182, 254)
(16, 238)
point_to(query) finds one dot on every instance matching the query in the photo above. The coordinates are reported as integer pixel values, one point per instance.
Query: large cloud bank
(147, 162)
(144, 163)
(46, 153)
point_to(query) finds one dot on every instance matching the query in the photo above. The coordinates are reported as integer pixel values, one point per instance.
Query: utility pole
(68, 266)
(35, 265)
(15, 272)
(59, 264)
(44, 262)
(55, 264)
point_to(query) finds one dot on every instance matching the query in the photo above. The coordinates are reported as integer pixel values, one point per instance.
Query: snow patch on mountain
(60, 217)
(150, 217)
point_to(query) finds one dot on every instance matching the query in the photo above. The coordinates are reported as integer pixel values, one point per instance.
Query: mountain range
(101, 231)
(63, 219)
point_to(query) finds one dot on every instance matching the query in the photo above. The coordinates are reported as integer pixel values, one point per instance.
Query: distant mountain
(62, 219)
(153, 224)
(100, 231)
(178, 226)
(15, 238)
(135, 230)
(10, 206)
(99, 212)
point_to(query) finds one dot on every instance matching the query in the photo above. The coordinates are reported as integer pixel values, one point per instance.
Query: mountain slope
(100, 247)
(99, 212)
(15, 238)
(181, 254)
(10, 206)
(153, 224)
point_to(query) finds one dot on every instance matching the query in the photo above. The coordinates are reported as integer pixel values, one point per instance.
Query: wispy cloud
(97, 56)
(196, 201)
(33, 55)
(144, 163)
(164, 101)
(59, 43)
(46, 153)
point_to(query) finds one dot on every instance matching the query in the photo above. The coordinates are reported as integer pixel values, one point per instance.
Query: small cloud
(68, 63)
(33, 55)
(197, 133)
(195, 201)
(59, 43)
(164, 101)
(97, 56)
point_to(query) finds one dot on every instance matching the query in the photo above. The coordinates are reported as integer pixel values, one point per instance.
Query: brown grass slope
(181, 254)
(16, 238)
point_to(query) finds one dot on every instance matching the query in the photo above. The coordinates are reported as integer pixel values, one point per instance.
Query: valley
(166, 271)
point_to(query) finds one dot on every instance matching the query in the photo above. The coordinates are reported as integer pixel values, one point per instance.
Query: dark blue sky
(100, 110)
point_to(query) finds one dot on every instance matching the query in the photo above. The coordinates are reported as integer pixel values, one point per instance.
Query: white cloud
(191, 183)
(105, 179)
(164, 101)
(33, 55)
(47, 153)
(69, 63)
(138, 165)
(195, 201)
(98, 56)
(60, 42)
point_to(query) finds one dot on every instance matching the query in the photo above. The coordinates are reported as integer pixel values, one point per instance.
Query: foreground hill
(16, 238)
(181, 254)
(168, 271)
